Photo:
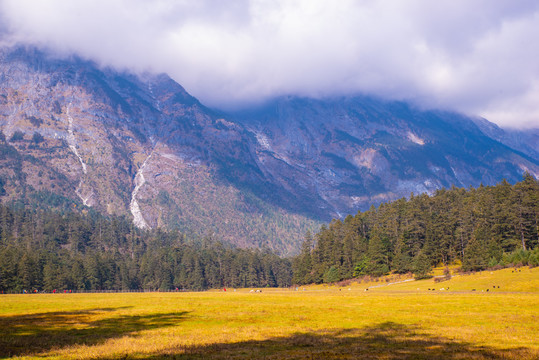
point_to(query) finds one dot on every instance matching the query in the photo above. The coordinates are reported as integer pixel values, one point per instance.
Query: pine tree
(302, 264)
(421, 266)
(378, 264)
(475, 256)
(332, 275)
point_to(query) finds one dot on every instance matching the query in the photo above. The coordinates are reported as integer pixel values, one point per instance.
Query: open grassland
(391, 321)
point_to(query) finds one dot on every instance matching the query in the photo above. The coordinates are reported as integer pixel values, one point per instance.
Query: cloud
(474, 56)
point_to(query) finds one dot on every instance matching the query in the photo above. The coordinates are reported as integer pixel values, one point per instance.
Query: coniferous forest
(480, 228)
(46, 251)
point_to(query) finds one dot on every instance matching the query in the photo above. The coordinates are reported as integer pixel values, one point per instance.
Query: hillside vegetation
(485, 227)
(45, 251)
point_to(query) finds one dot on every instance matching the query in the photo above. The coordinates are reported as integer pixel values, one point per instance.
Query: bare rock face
(357, 151)
(74, 135)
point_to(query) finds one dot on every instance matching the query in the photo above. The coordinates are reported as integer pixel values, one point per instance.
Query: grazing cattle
(488, 290)
(473, 289)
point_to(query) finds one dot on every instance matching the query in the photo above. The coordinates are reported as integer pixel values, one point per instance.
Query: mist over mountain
(77, 135)
(474, 57)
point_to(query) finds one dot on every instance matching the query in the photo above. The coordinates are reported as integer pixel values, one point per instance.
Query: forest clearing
(487, 315)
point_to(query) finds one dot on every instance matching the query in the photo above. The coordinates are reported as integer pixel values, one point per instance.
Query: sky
(478, 57)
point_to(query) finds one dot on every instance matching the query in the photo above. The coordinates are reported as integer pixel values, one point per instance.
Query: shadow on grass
(384, 341)
(36, 333)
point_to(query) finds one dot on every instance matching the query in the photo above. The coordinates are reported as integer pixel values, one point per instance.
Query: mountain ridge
(365, 135)
(143, 147)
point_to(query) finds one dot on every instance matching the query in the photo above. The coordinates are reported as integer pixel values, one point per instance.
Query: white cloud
(475, 56)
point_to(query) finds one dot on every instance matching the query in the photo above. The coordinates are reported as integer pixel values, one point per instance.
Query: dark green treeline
(46, 250)
(483, 227)
(479, 227)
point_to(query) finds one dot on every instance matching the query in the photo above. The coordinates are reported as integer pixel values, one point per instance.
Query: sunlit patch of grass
(393, 321)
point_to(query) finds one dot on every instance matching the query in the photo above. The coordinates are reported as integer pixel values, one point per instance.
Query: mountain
(525, 141)
(78, 135)
(356, 151)
(139, 146)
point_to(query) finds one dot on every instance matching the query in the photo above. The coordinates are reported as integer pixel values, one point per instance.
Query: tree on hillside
(421, 266)
(402, 262)
(526, 211)
(302, 264)
(474, 226)
(378, 255)
(475, 256)
(333, 274)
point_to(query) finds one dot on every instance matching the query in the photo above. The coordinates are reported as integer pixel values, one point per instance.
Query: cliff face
(141, 146)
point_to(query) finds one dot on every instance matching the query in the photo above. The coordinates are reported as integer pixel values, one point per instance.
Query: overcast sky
(480, 57)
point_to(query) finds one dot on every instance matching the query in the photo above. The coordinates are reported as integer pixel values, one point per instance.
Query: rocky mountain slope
(135, 146)
(358, 151)
(525, 141)
(77, 135)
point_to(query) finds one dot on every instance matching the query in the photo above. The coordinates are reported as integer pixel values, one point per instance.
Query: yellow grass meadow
(394, 319)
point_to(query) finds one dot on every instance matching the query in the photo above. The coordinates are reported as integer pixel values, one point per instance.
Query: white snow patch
(72, 143)
(172, 157)
(263, 140)
(358, 199)
(526, 169)
(134, 207)
(265, 143)
(415, 139)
